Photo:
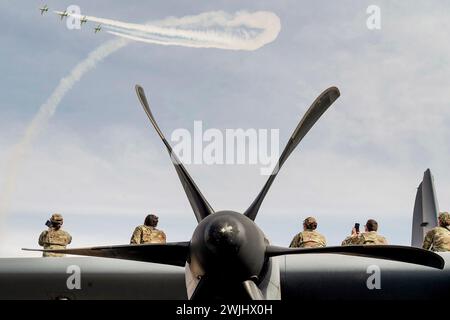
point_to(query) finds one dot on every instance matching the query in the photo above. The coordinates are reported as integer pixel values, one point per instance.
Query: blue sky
(99, 164)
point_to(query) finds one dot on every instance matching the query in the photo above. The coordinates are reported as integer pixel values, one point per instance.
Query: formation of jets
(64, 14)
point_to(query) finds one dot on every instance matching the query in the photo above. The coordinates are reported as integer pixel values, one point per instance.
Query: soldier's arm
(358, 240)
(41, 238)
(346, 242)
(295, 242)
(428, 240)
(353, 240)
(136, 237)
(163, 237)
(69, 238)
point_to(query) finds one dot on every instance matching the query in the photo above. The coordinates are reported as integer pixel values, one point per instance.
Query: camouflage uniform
(308, 239)
(438, 239)
(365, 238)
(54, 238)
(147, 234)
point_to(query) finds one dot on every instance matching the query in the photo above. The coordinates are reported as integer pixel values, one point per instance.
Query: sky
(99, 163)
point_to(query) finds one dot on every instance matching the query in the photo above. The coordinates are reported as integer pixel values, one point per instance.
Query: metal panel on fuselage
(100, 278)
(314, 276)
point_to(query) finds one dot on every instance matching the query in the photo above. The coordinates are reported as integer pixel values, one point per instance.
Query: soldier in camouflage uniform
(54, 237)
(309, 237)
(438, 239)
(147, 233)
(370, 237)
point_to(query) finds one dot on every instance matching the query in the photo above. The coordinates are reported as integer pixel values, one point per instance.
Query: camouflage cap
(56, 217)
(310, 222)
(444, 218)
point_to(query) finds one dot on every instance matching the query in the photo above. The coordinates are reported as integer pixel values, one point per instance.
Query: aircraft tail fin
(426, 210)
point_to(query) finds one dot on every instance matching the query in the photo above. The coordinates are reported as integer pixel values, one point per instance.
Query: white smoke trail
(46, 111)
(241, 31)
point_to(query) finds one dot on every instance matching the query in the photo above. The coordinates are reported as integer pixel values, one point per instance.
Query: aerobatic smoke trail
(217, 29)
(46, 111)
(241, 31)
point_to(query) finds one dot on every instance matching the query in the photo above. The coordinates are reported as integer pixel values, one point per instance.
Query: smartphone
(357, 227)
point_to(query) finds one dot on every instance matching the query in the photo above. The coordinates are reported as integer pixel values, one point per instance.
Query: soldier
(54, 237)
(309, 237)
(438, 239)
(147, 233)
(370, 237)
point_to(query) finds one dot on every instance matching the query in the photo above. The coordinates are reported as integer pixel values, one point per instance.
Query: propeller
(199, 205)
(254, 293)
(315, 111)
(214, 289)
(386, 252)
(175, 253)
(228, 252)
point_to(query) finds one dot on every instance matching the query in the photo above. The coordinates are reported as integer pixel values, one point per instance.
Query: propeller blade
(253, 291)
(174, 253)
(209, 289)
(199, 205)
(386, 252)
(315, 111)
(201, 291)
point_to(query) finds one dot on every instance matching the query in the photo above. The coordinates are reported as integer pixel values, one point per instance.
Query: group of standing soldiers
(56, 238)
(437, 239)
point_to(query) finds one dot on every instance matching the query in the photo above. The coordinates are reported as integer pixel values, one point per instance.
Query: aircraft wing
(309, 277)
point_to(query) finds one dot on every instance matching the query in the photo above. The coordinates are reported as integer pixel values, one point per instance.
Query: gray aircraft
(62, 14)
(43, 9)
(229, 257)
(83, 20)
(98, 28)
